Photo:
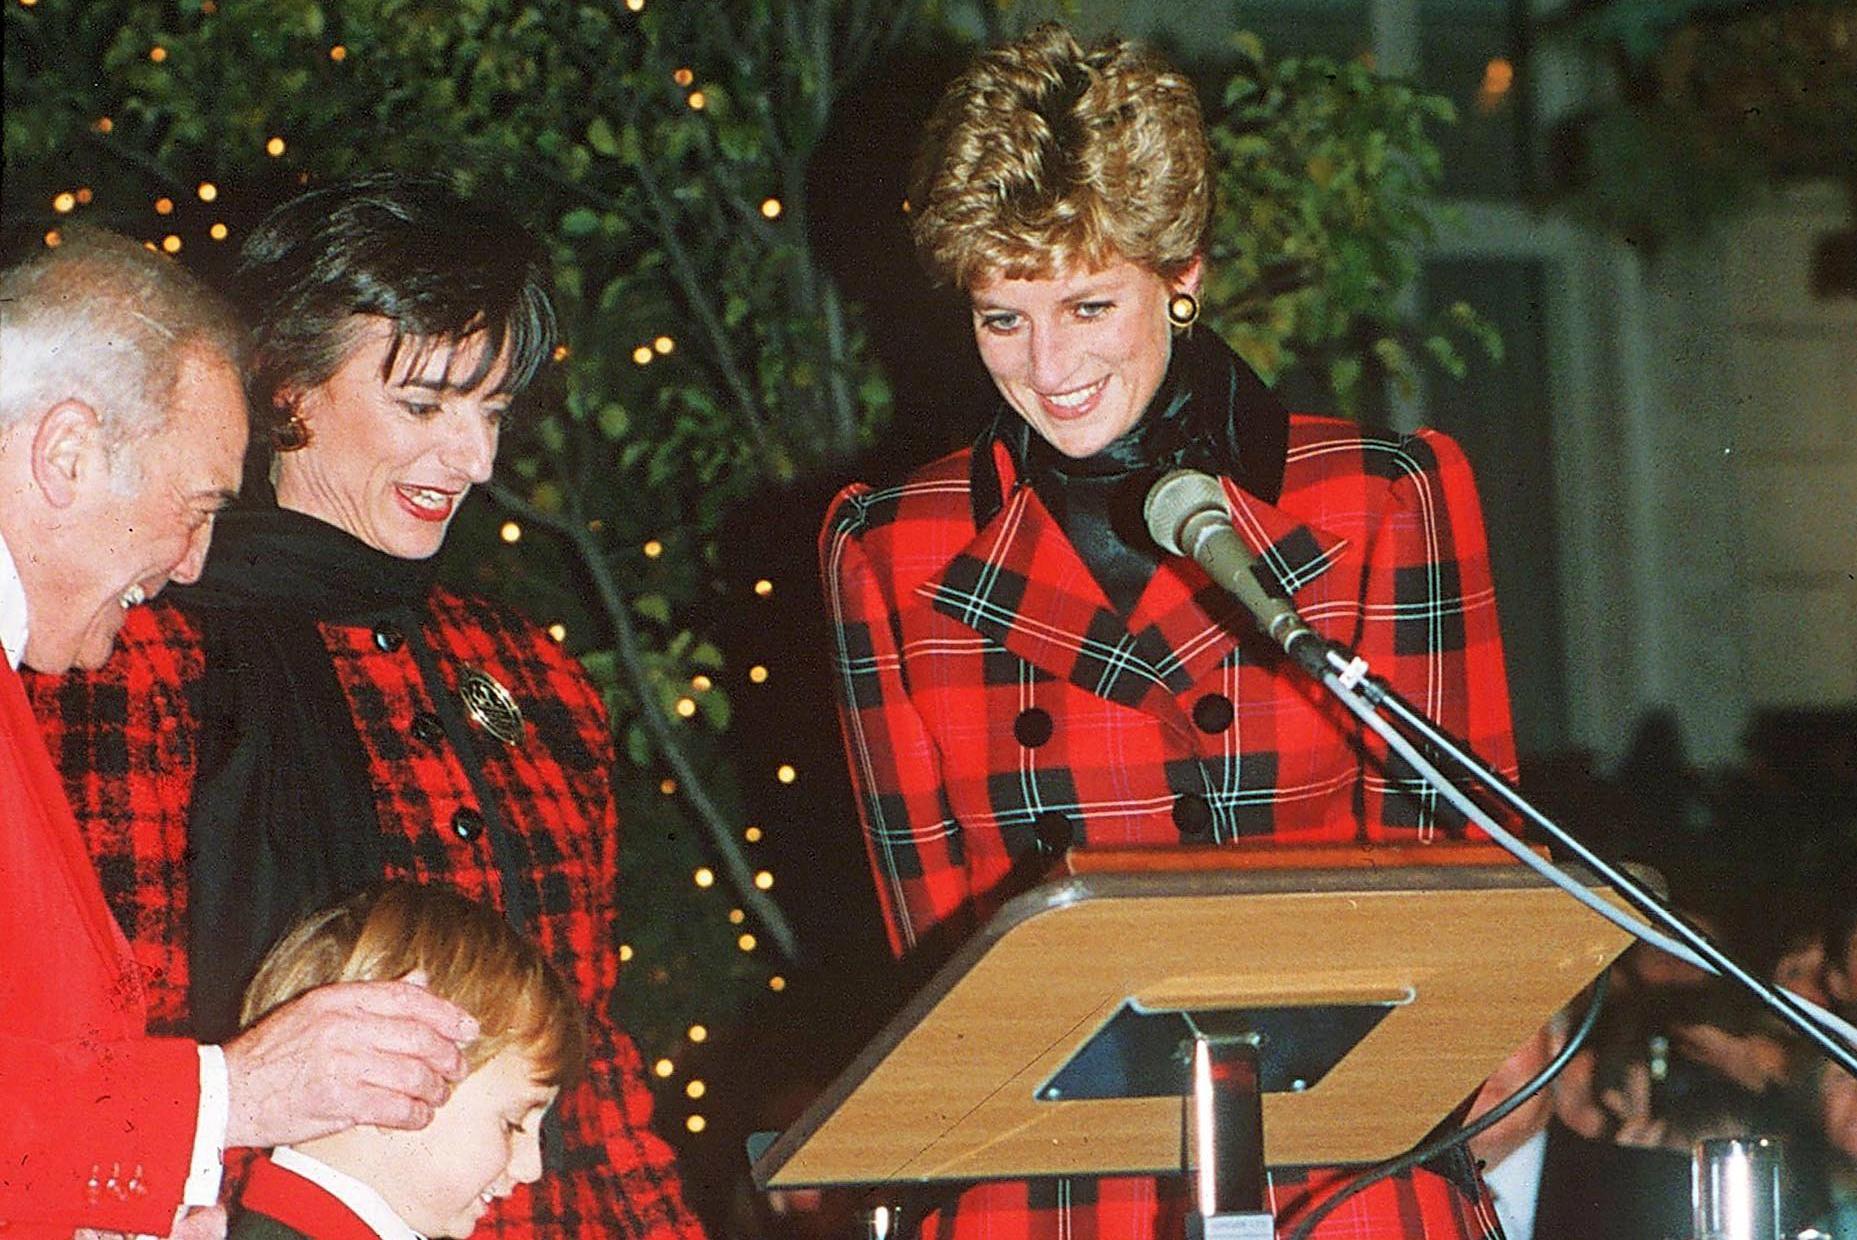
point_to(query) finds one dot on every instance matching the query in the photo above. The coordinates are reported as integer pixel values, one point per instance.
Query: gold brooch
(491, 706)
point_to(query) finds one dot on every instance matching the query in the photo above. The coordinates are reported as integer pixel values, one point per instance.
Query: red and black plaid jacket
(993, 703)
(125, 736)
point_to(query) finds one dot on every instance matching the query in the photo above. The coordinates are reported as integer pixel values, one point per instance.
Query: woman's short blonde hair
(1045, 156)
(467, 953)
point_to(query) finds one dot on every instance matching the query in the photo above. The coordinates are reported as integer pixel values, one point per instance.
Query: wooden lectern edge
(1266, 854)
(1492, 867)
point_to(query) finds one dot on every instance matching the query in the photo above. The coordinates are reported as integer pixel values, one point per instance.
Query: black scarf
(283, 817)
(1210, 413)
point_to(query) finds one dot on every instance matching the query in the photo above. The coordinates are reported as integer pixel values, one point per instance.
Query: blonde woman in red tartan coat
(317, 713)
(1020, 670)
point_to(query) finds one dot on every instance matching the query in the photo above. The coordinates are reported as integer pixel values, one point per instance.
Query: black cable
(1489, 1119)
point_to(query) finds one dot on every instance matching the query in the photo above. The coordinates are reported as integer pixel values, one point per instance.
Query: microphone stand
(1187, 515)
(1365, 695)
(1186, 512)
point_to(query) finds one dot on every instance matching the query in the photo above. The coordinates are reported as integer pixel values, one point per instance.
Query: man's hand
(1753, 1061)
(207, 1223)
(383, 1053)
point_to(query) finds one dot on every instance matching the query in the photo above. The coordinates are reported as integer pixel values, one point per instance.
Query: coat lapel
(1201, 623)
(1021, 583)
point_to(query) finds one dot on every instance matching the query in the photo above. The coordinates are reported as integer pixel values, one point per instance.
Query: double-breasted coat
(995, 704)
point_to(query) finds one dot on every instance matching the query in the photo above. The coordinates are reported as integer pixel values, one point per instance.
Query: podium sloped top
(1472, 956)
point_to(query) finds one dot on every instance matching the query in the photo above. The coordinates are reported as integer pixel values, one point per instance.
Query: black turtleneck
(1210, 412)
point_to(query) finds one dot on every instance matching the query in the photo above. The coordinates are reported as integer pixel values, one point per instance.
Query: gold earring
(1183, 310)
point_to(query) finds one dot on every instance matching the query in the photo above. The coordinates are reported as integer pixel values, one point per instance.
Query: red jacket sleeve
(96, 1121)
(1429, 628)
(96, 1135)
(909, 830)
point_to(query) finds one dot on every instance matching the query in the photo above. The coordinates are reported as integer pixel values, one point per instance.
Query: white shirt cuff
(209, 1132)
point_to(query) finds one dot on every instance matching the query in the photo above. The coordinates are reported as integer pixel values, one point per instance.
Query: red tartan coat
(96, 1120)
(125, 737)
(994, 703)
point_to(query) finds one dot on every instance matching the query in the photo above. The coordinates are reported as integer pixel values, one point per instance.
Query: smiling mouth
(1076, 400)
(430, 503)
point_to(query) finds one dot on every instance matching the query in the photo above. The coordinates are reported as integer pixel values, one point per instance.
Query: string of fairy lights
(169, 239)
(67, 202)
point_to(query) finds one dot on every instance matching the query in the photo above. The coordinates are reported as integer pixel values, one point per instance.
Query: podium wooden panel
(1477, 953)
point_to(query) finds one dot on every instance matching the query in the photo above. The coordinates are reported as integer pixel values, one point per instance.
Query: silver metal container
(1735, 1188)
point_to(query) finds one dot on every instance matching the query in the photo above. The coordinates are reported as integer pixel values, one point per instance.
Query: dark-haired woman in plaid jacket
(316, 713)
(1021, 670)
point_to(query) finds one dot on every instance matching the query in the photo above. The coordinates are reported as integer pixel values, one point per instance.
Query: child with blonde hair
(370, 1183)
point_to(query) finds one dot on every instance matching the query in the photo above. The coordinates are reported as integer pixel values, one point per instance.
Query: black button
(1213, 713)
(1192, 815)
(467, 824)
(1054, 832)
(1033, 727)
(388, 637)
(427, 728)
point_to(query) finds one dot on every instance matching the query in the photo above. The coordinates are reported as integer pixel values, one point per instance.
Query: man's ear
(68, 443)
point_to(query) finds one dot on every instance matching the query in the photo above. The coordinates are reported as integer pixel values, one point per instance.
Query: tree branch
(721, 832)
(720, 347)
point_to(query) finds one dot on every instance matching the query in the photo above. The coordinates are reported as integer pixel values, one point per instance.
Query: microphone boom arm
(1365, 694)
(1187, 515)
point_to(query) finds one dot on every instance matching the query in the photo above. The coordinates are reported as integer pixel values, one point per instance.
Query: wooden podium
(1384, 984)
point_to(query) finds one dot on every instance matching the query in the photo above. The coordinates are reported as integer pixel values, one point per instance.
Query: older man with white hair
(122, 432)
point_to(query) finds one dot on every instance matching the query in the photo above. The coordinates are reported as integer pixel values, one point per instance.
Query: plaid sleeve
(638, 1193)
(123, 737)
(648, 1200)
(913, 839)
(1429, 626)
(651, 1191)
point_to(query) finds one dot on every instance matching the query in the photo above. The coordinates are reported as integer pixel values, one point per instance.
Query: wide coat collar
(1020, 582)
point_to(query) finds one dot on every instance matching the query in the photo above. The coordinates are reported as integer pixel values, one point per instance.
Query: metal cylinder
(1735, 1188)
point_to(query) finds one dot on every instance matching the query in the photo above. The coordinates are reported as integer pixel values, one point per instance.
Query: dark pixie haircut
(410, 249)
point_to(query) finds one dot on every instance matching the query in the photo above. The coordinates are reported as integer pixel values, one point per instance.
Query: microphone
(1186, 514)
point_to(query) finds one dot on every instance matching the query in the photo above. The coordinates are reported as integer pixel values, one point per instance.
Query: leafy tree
(663, 147)
(1325, 175)
(1709, 101)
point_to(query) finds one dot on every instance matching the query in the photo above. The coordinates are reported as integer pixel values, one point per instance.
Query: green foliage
(1325, 178)
(1715, 99)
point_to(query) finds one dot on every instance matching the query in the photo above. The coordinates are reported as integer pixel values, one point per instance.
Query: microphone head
(1178, 496)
